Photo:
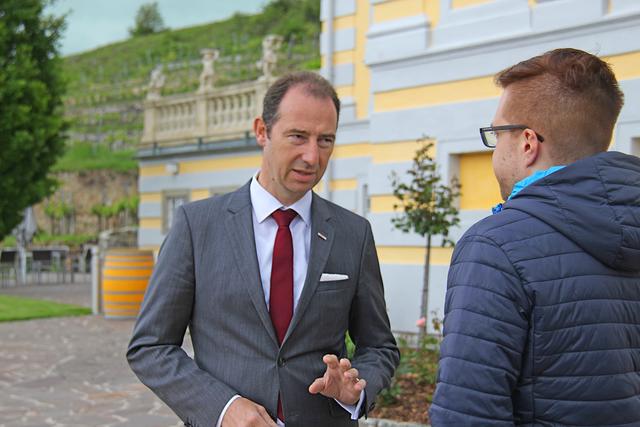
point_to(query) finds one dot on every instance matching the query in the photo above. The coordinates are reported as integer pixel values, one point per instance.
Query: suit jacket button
(281, 362)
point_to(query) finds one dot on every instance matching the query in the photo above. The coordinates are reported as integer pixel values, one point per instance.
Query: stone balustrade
(214, 114)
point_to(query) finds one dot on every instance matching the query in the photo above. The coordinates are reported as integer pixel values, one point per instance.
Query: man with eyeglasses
(542, 314)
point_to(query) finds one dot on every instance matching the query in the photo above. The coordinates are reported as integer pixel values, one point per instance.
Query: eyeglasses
(489, 134)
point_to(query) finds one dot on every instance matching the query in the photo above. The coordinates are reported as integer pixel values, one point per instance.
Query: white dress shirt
(264, 230)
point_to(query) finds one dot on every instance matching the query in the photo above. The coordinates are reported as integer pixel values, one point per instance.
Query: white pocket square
(330, 277)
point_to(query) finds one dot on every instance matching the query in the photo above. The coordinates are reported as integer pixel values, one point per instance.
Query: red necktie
(281, 298)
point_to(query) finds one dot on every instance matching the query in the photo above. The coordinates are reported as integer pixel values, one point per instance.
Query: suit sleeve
(485, 334)
(155, 353)
(377, 355)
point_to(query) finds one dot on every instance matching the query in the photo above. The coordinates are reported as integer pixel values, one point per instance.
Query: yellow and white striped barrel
(125, 276)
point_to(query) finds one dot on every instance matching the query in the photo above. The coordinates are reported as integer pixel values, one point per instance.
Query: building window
(364, 202)
(476, 173)
(172, 201)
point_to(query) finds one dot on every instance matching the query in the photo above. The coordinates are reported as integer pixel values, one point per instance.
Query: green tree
(429, 209)
(59, 213)
(148, 20)
(31, 116)
(291, 18)
(131, 204)
(102, 213)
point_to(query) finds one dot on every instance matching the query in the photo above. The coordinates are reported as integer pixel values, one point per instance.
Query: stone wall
(83, 190)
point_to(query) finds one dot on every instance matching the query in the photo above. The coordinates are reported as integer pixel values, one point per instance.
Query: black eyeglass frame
(503, 128)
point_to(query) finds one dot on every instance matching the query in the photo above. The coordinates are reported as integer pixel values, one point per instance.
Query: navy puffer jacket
(542, 314)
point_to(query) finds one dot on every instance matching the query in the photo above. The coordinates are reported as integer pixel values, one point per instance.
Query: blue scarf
(520, 185)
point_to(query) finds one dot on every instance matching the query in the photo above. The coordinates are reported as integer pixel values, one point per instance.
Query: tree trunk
(424, 306)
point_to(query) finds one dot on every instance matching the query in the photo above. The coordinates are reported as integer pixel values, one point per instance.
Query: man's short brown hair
(314, 84)
(569, 96)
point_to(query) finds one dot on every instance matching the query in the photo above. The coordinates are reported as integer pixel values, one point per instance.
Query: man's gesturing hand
(245, 413)
(340, 381)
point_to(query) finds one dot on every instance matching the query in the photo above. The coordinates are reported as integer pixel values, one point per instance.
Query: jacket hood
(595, 202)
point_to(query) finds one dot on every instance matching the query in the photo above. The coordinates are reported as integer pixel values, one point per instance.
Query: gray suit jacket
(207, 278)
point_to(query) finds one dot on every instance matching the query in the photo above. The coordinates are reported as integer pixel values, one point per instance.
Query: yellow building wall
(199, 194)
(436, 94)
(343, 184)
(205, 165)
(383, 203)
(359, 91)
(480, 189)
(345, 92)
(153, 170)
(342, 57)
(458, 4)
(362, 77)
(398, 9)
(390, 152)
(150, 197)
(152, 223)
(341, 23)
(413, 255)
(625, 66)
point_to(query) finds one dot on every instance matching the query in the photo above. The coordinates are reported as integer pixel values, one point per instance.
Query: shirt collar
(264, 203)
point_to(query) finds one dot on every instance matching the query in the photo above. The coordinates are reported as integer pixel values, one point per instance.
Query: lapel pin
(322, 236)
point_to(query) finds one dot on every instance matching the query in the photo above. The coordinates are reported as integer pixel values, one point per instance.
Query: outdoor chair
(8, 258)
(41, 263)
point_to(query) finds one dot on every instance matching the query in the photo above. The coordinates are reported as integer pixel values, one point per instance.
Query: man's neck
(286, 201)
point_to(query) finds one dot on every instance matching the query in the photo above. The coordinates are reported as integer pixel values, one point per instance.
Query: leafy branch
(429, 209)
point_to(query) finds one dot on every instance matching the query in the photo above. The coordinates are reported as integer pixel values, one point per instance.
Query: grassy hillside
(106, 86)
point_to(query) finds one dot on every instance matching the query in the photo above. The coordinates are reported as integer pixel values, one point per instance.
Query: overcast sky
(93, 23)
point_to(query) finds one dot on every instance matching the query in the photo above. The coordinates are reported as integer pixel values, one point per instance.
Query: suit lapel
(240, 235)
(318, 256)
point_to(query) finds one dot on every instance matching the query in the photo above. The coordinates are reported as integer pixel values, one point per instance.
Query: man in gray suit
(269, 279)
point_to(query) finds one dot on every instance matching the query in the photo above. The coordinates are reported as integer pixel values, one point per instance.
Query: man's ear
(260, 130)
(531, 147)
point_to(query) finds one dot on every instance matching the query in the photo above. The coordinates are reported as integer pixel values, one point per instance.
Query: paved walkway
(71, 293)
(71, 372)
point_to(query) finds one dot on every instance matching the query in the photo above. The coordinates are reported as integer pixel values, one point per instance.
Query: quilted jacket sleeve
(485, 333)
